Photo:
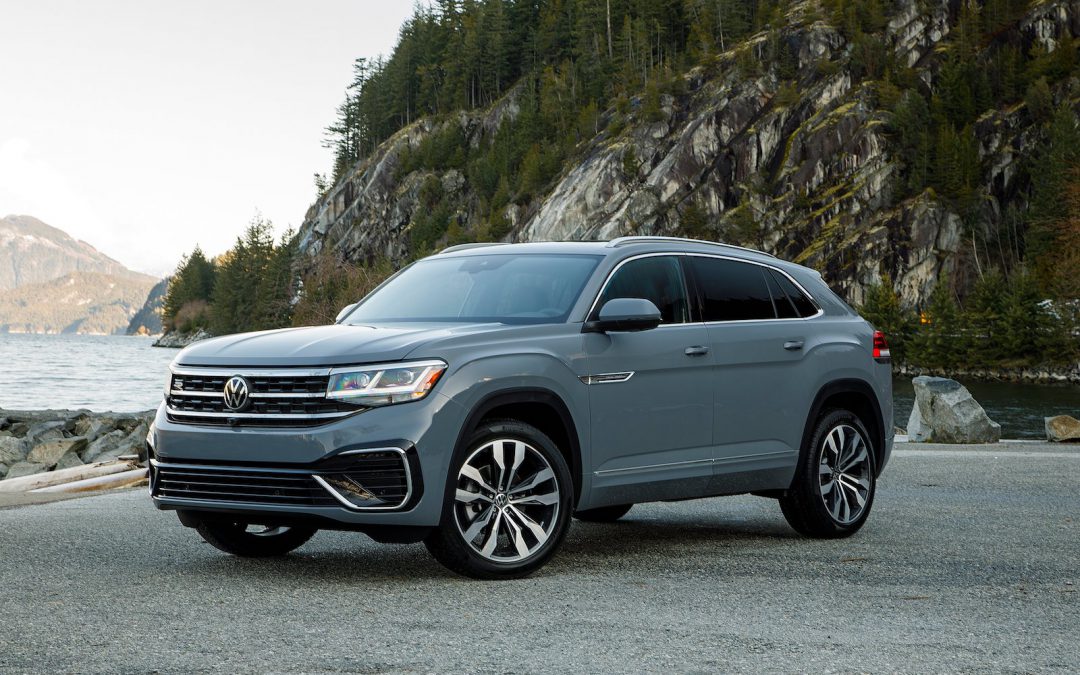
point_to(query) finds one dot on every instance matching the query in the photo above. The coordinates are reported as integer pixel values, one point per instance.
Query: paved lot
(970, 561)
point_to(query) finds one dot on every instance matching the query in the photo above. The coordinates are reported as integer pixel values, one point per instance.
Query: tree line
(256, 285)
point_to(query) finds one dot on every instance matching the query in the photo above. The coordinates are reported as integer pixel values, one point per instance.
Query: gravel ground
(968, 562)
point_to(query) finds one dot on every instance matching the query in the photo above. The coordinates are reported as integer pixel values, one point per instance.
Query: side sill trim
(692, 462)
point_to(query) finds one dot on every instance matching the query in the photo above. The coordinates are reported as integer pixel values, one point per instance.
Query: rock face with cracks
(815, 173)
(945, 412)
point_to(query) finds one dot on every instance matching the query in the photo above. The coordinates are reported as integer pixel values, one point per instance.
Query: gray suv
(481, 397)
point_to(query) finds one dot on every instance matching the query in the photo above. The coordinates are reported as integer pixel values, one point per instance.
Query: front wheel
(253, 541)
(508, 506)
(834, 484)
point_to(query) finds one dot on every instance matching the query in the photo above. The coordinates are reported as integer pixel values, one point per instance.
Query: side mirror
(345, 312)
(625, 314)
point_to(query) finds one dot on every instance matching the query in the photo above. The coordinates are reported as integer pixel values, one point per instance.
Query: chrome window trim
(790, 278)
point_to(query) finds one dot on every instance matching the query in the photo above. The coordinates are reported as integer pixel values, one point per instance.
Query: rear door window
(731, 290)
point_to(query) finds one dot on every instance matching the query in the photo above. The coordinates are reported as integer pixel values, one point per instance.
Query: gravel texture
(970, 561)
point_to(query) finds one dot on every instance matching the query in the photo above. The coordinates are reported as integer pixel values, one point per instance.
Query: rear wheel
(834, 484)
(253, 540)
(508, 506)
(604, 514)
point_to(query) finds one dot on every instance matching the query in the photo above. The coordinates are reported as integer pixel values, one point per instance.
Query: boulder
(20, 469)
(1058, 429)
(92, 427)
(945, 412)
(3, 470)
(49, 453)
(12, 450)
(102, 445)
(43, 432)
(69, 460)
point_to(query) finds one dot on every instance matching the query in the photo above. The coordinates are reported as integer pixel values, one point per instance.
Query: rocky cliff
(809, 172)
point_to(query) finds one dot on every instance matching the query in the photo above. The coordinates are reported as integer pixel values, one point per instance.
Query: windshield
(490, 288)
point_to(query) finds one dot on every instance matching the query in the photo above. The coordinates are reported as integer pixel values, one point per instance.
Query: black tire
(805, 503)
(604, 514)
(262, 542)
(448, 544)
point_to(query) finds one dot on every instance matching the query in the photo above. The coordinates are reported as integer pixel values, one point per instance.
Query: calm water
(1018, 408)
(126, 374)
(121, 374)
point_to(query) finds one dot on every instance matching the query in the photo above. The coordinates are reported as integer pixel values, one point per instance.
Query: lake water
(126, 374)
(100, 373)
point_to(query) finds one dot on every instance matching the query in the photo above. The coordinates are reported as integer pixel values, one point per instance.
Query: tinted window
(732, 291)
(656, 278)
(498, 288)
(785, 308)
(804, 305)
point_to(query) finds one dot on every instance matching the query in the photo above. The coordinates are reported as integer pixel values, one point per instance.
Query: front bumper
(232, 470)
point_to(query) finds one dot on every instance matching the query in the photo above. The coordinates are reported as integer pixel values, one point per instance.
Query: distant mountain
(147, 321)
(32, 252)
(89, 303)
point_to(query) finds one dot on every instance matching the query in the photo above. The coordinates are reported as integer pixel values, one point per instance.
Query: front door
(649, 392)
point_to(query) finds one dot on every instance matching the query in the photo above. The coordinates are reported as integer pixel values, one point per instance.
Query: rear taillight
(881, 347)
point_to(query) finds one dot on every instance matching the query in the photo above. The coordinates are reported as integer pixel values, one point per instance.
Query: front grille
(277, 399)
(378, 479)
(220, 484)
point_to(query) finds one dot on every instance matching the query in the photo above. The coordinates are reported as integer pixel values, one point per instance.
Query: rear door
(757, 338)
(649, 392)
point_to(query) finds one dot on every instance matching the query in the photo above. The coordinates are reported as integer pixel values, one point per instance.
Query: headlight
(384, 384)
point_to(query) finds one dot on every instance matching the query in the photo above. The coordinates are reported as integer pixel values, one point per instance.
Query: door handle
(697, 350)
(793, 345)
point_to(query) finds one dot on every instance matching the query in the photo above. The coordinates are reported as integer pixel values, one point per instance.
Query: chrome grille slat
(278, 398)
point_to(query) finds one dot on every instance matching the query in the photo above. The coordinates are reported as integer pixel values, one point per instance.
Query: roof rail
(466, 247)
(644, 239)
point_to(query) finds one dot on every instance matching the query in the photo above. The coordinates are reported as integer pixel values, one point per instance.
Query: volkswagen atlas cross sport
(480, 397)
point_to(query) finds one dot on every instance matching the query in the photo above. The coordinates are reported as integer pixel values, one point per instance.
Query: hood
(321, 345)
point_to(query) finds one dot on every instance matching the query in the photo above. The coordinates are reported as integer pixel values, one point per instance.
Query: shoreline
(1048, 375)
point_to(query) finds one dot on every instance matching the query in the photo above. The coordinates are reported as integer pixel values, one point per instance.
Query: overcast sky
(144, 127)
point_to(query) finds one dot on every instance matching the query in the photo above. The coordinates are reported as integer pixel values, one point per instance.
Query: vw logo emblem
(237, 393)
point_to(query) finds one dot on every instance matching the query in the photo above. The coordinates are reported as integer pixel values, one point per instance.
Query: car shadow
(642, 544)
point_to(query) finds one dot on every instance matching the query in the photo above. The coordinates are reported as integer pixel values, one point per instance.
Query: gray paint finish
(727, 420)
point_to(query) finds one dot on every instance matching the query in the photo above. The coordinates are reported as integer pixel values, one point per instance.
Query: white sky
(144, 127)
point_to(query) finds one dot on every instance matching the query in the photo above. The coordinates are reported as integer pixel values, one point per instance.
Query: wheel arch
(858, 397)
(538, 407)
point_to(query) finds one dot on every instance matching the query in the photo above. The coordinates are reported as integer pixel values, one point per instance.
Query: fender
(513, 395)
(862, 389)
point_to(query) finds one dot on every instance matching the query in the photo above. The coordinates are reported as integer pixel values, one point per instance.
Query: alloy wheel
(844, 473)
(507, 501)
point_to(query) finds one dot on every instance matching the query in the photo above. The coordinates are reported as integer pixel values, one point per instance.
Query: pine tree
(883, 310)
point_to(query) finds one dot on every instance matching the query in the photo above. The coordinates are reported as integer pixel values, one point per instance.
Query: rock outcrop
(175, 340)
(945, 412)
(813, 173)
(1062, 428)
(37, 441)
